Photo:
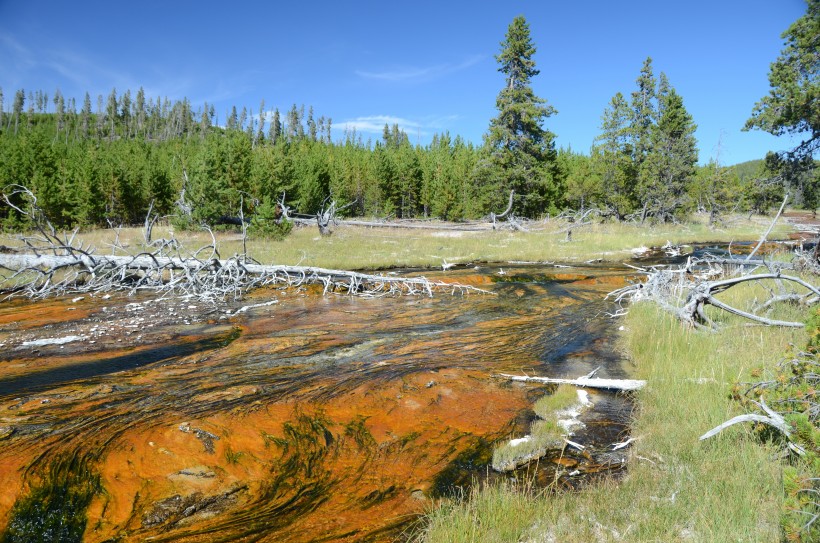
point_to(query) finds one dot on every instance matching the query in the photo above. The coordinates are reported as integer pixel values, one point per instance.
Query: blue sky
(428, 66)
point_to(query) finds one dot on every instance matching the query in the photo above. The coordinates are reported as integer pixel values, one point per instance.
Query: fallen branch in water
(591, 382)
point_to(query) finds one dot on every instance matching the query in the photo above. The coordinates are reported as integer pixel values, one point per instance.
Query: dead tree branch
(766, 234)
(503, 214)
(686, 293)
(52, 266)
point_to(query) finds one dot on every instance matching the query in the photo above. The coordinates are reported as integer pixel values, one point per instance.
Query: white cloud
(414, 73)
(374, 124)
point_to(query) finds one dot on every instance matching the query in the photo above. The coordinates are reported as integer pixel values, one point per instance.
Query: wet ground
(309, 419)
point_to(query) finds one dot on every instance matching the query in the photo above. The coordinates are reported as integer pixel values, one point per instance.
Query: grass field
(378, 248)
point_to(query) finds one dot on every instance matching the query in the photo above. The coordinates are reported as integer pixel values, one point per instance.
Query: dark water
(318, 418)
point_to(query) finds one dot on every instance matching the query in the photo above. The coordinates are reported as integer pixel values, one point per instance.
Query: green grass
(677, 488)
(544, 433)
(547, 405)
(377, 248)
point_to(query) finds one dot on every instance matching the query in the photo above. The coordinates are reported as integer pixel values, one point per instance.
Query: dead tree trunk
(668, 287)
(39, 276)
(54, 266)
(493, 216)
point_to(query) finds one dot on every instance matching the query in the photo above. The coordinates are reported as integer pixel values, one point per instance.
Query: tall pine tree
(793, 104)
(670, 164)
(612, 157)
(519, 152)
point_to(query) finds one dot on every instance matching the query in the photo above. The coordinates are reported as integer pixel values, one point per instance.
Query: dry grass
(353, 247)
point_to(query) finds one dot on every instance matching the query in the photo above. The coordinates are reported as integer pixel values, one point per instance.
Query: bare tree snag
(327, 216)
(493, 216)
(150, 221)
(769, 230)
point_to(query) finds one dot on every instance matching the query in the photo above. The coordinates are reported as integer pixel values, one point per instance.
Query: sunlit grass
(352, 247)
(677, 488)
(547, 405)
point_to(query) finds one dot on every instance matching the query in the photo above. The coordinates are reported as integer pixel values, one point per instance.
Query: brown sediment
(318, 417)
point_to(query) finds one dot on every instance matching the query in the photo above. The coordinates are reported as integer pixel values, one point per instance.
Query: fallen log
(55, 265)
(590, 382)
(39, 275)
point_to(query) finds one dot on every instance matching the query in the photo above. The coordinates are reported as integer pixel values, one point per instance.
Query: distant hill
(748, 169)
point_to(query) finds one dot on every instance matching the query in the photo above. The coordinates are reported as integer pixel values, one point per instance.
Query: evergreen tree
(260, 131)
(312, 130)
(125, 113)
(59, 112)
(233, 119)
(275, 127)
(714, 189)
(250, 130)
(205, 120)
(243, 117)
(793, 104)
(520, 152)
(17, 108)
(85, 117)
(612, 157)
(139, 111)
(583, 183)
(670, 163)
(300, 128)
(644, 117)
(111, 113)
(294, 123)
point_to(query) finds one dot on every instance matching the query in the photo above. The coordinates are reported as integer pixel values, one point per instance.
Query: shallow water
(317, 418)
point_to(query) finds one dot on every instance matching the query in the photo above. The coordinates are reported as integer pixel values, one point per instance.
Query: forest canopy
(107, 160)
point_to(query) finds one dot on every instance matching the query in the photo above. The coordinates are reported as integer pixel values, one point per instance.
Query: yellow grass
(353, 247)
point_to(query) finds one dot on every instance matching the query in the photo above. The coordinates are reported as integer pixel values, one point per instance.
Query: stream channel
(314, 418)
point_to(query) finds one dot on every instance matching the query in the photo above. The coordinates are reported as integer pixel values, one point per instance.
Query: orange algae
(346, 409)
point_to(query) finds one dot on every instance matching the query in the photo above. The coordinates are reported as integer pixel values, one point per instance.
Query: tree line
(107, 164)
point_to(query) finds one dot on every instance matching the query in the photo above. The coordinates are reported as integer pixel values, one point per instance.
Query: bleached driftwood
(686, 294)
(771, 418)
(55, 265)
(591, 382)
(768, 231)
(40, 275)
